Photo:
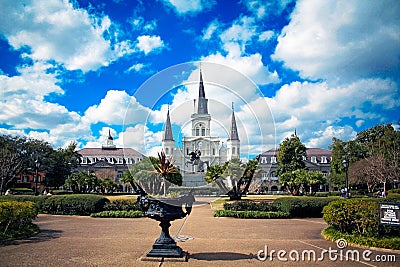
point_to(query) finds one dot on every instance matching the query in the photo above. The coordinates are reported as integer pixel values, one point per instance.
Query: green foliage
(118, 214)
(82, 182)
(303, 206)
(199, 191)
(243, 205)
(290, 155)
(393, 242)
(74, 204)
(251, 214)
(122, 205)
(16, 218)
(358, 216)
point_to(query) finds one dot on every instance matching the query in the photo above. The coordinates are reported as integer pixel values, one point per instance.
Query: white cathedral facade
(200, 150)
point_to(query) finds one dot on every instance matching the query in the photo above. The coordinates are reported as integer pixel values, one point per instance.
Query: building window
(323, 159)
(233, 150)
(197, 132)
(120, 161)
(314, 159)
(94, 160)
(273, 174)
(111, 160)
(84, 160)
(273, 160)
(166, 150)
(203, 131)
(213, 151)
(304, 157)
(263, 160)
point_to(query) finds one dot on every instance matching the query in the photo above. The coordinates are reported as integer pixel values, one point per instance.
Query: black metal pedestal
(165, 246)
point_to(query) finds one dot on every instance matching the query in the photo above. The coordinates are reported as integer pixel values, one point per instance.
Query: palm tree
(166, 169)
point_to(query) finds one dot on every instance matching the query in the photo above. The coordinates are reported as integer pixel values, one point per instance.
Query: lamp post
(345, 163)
(37, 165)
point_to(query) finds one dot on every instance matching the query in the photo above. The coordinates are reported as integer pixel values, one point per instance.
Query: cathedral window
(233, 150)
(197, 131)
(203, 131)
(213, 151)
(166, 150)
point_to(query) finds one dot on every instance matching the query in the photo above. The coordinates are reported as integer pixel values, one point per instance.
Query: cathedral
(200, 149)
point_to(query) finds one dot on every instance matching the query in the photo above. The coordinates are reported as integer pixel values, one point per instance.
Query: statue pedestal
(165, 246)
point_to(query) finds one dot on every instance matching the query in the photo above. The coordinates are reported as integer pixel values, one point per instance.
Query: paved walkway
(85, 241)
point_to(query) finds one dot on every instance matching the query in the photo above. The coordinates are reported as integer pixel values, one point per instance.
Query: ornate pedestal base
(165, 246)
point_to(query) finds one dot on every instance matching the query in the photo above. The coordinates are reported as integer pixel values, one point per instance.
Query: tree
(290, 160)
(166, 169)
(302, 181)
(142, 173)
(82, 182)
(11, 159)
(60, 164)
(214, 174)
(290, 155)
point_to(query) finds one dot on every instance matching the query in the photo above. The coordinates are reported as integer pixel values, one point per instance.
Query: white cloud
(183, 7)
(241, 32)
(210, 30)
(116, 108)
(54, 30)
(147, 43)
(265, 36)
(314, 107)
(262, 8)
(342, 40)
(251, 65)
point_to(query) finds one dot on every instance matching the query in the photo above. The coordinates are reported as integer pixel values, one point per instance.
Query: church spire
(202, 101)
(168, 129)
(233, 133)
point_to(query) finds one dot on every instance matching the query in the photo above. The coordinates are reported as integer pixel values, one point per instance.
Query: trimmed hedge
(16, 218)
(357, 216)
(199, 191)
(251, 214)
(333, 234)
(122, 205)
(243, 205)
(83, 205)
(118, 214)
(303, 206)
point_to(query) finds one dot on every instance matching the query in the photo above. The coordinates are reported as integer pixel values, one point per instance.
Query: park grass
(121, 197)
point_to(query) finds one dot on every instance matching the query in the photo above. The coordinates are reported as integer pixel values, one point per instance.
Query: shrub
(118, 214)
(242, 205)
(39, 200)
(74, 204)
(333, 234)
(353, 215)
(200, 191)
(122, 204)
(394, 196)
(302, 206)
(251, 214)
(16, 217)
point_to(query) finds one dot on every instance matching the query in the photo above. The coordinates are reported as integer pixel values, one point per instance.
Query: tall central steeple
(202, 102)
(233, 133)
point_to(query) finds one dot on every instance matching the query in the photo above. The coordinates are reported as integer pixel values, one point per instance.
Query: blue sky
(72, 70)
